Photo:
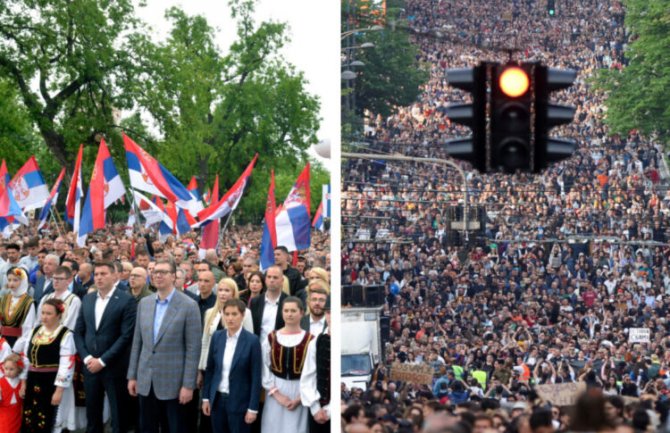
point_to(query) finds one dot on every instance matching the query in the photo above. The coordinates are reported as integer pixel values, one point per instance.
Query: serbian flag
(51, 201)
(293, 221)
(75, 193)
(207, 197)
(9, 208)
(210, 230)
(105, 188)
(30, 190)
(150, 211)
(193, 188)
(318, 222)
(269, 239)
(229, 202)
(149, 175)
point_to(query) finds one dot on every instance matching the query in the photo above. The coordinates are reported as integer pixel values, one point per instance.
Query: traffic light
(551, 8)
(551, 115)
(510, 116)
(473, 148)
(512, 146)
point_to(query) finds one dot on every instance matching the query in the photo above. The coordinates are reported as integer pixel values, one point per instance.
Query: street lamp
(375, 28)
(446, 162)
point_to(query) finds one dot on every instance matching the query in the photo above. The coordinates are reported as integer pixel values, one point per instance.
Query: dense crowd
(569, 262)
(130, 332)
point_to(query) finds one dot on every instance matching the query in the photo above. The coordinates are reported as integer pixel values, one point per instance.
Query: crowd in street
(571, 265)
(130, 333)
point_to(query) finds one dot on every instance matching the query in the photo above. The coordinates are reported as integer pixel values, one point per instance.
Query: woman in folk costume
(11, 402)
(284, 354)
(17, 312)
(49, 399)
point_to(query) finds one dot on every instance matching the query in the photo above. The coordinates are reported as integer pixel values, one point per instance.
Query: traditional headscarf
(23, 276)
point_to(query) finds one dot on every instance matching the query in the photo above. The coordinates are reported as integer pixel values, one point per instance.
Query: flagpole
(55, 221)
(223, 230)
(137, 213)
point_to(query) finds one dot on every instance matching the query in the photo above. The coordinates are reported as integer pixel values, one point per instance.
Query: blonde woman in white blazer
(226, 289)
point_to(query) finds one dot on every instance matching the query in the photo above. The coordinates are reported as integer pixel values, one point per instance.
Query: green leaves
(637, 96)
(70, 68)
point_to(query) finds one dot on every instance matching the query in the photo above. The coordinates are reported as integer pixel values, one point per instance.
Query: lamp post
(444, 162)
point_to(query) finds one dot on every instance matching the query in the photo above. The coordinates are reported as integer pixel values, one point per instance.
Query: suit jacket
(258, 305)
(245, 372)
(111, 341)
(41, 289)
(171, 362)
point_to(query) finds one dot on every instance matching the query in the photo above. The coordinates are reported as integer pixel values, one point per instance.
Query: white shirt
(269, 317)
(316, 326)
(101, 305)
(231, 344)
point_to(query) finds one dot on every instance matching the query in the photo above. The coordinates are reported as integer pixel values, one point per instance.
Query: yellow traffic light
(514, 82)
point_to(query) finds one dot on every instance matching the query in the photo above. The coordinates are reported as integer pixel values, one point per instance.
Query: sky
(313, 47)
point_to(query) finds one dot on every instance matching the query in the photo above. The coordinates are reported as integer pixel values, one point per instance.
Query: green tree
(16, 131)
(391, 75)
(376, 46)
(637, 95)
(68, 61)
(217, 111)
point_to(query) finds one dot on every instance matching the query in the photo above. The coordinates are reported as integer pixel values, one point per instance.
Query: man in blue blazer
(232, 387)
(103, 335)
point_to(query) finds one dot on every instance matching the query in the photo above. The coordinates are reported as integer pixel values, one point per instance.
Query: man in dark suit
(43, 284)
(266, 310)
(103, 335)
(232, 388)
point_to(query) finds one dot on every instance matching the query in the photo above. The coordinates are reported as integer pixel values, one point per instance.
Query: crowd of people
(570, 265)
(132, 333)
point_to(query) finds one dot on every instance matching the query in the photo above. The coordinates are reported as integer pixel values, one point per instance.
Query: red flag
(210, 231)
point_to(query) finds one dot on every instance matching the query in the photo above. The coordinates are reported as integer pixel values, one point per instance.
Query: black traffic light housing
(472, 115)
(510, 125)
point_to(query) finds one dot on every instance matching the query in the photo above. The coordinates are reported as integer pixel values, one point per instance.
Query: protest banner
(639, 335)
(561, 394)
(414, 373)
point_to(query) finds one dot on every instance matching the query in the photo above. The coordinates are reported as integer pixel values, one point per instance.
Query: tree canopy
(73, 72)
(637, 95)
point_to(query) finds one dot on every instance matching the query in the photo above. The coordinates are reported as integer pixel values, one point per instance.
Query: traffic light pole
(444, 162)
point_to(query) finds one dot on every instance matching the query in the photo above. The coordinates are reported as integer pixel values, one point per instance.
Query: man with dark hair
(142, 258)
(103, 335)
(315, 321)
(13, 258)
(282, 258)
(61, 281)
(266, 309)
(168, 334)
(75, 285)
(29, 261)
(540, 421)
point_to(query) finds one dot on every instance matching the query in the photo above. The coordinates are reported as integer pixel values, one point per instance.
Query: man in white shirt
(13, 258)
(102, 335)
(266, 310)
(315, 321)
(61, 280)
